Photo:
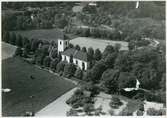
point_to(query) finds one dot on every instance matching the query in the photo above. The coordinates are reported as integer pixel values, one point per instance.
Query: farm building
(79, 58)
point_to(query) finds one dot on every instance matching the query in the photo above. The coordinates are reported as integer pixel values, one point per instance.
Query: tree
(40, 54)
(25, 41)
(53, 64)
(69, 70)
(94, 89)
(6, 36)
(126, 80)
(97, 71)
(90, 53)
(97, 55)
(71, 45)
(109, 80)
(34, 44)
(87, 76)
(47, 61)
(108, 50)
(60, 66)
(19, 40)
(18, 52)
(13, 39)
(78, 73)
(123, 62)
(110, 60)
(84, 49)
(77, 47)
(54, 53)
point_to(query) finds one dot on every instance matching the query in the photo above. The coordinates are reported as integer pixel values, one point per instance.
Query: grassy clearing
(97, 43)
(42, 34)
(45, 88)
(7, 50)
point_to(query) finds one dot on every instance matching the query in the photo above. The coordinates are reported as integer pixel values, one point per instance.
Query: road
(58, 107)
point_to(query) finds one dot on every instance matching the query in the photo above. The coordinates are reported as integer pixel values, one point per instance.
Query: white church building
(79, 57)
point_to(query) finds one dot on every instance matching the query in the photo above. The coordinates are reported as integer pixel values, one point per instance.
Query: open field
(29, 94)
(42, 34)
(97, 43)
(7, 50)
(162, 42)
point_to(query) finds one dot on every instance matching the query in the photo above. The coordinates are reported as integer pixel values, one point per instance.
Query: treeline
(44, 18)
(96, 32)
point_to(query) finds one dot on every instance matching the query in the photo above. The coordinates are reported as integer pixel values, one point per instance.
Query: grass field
(42, 34)
(7, 50)
(97, 43)
(45, 88)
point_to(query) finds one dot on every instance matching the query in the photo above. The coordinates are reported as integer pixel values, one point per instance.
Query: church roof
(76, 54)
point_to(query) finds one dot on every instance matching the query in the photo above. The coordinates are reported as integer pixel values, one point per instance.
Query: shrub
(141, 107)
(139, 113)
(115, 102)
(88, 108)
(126, 112)
(60, 66)
(72, 112)
(47, 61)
(111, 112)
(18, 52)
(76, 99)
(78, 73)
(154, 112)
(69, 70)
(53, 64)
(92, 88)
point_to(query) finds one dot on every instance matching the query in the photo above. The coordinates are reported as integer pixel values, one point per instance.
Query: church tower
(62, 44)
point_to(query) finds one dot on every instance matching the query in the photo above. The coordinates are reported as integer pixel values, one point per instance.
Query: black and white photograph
(83, 58)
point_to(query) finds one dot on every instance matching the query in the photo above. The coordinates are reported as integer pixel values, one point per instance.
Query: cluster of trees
(96, 32)
(118, 70)
(95, 19)
(37, 18)
(19, 41)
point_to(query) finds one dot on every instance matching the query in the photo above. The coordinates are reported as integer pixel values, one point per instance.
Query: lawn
(44, 88)
(7, 50)
(97, 43)
(42, 34)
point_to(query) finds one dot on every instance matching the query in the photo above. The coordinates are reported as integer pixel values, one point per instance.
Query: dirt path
(58, 107)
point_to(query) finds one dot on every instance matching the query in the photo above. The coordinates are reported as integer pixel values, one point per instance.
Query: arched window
(76, 62)
(60, 42)
(65, 58)
(83, 66)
